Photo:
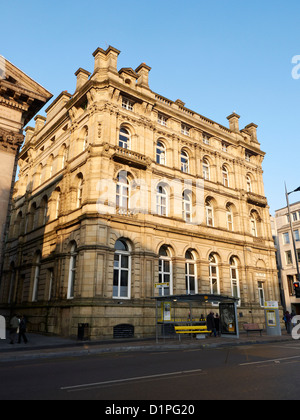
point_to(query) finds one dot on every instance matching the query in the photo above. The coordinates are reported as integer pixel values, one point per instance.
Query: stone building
(286, 255)
(124, 194)
(20, 99)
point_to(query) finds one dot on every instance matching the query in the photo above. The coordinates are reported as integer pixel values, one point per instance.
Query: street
(256, 372)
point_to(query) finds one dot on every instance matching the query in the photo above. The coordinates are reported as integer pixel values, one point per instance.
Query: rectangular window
(297, 237)
(288, 257)
(162, 120)
(286, 238)
(185, 129)
(206, 138)
(290, 281)
(127, 104)
(261, 294)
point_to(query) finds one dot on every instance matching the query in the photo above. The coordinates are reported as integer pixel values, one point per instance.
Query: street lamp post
(291, 226)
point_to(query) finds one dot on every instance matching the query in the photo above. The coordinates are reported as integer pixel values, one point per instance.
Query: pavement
(46, 347)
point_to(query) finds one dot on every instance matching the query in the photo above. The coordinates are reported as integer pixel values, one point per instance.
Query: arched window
(79, 191)
(50, 163)
(187, 206)
(161, 201)
(225, 176)
(190, 274)
(214, 275)
(229, 217)
(253, 224)
(122, 193)
(64, 157)
(72, 271)
(160, 153)
(122, 270)
(206, 170)
(234, 276)
(57, 202)
(165, 271)
(44, 210)
(36, 279)
(249, 183)
(209, 213)
(185, 162)
(85, 139)
(124, 138)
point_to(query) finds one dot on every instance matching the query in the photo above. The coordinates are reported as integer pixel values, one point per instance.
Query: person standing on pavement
(210, 323)
(22, 330)
(14, 325)
(217, 324)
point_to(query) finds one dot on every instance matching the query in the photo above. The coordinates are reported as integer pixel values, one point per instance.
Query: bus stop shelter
(169, 307)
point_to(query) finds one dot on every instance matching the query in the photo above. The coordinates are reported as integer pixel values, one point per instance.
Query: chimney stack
(143, 73)
(82, 77)
(234, 122)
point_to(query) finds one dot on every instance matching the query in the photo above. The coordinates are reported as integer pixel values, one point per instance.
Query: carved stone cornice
(10, 141)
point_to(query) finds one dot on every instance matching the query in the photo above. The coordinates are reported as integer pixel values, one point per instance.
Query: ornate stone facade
(20, 99)
(124, 194)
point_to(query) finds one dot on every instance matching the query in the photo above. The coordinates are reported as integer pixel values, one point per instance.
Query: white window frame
(214, 278)
(189, 276)
(79, 193)
(249, 184)
(185, 129)
(206, 139)
(119, 269)
(162, 273)
(235, 281)
(162, 120)
(261, 293)
(206, 169)
(37, 272)
(122, 194)
(161, 153)
(225, 176)
(127, 104)
(209, 211)
(253, 226)
(125, 144)
(187, 206)
(72, 272)
(161, 201)
(229, 217)
(185, 161)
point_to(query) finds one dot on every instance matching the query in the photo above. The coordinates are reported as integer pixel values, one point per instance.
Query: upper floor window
(249, 184)
(122, 195)
(127, 104)
(185, 161)
(209, 213)
(187, 206)
(206, 170)
(286, 238)
(229, 214)
(161, 201)
(124, 138)
(162, 119)
(253, 223)
(185, 129)
(234, 275)
(247, 156)
(79, 191)
(206, 138)
(225, 176)
(36, 277)
(160, 153)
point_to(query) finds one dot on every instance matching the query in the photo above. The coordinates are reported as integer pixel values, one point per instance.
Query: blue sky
(217, 56)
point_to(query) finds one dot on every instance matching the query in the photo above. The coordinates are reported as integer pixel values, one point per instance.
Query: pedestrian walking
(210, 323)
(287, 319)
(22, 330)
(217, 324)
(14, 325)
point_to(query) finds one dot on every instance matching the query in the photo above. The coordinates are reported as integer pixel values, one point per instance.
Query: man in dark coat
(22, 330)
(210, 323)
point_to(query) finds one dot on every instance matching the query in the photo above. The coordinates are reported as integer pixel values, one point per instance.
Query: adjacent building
(20, 99)
(124, 194)
(286, 255)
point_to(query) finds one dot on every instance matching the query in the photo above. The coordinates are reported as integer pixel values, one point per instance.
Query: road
(257, 372)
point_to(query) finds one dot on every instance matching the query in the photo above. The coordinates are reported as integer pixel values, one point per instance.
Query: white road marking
(74, 387)
(279, 359)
